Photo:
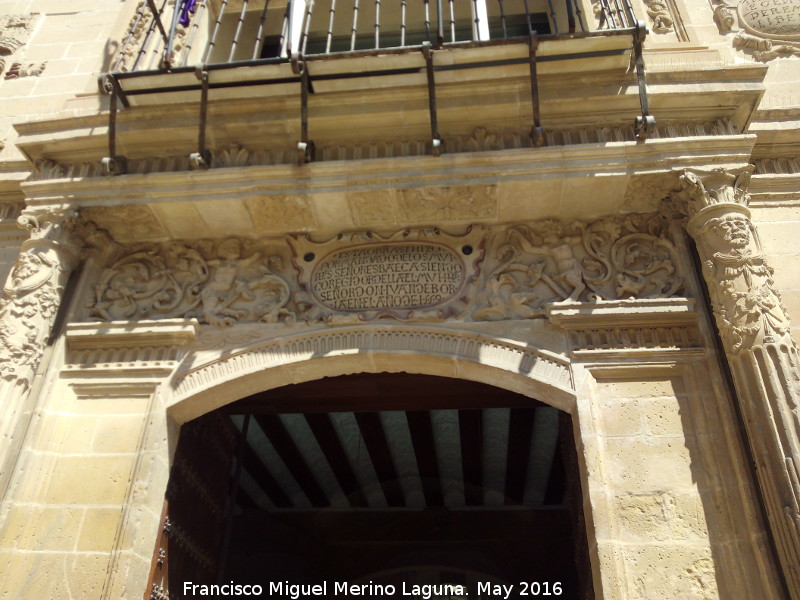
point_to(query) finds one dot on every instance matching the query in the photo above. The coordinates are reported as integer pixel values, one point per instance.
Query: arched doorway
(381, 481)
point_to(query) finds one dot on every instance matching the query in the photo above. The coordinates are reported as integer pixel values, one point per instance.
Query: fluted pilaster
(755, 332)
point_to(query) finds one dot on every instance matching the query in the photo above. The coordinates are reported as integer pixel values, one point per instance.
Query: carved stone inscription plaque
(392, 276)
(415, 273)
(771, 18)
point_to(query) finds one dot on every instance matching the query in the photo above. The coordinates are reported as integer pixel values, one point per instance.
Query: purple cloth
(189, 6)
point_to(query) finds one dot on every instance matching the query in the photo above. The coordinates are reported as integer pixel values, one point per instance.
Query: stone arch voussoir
(537, 373)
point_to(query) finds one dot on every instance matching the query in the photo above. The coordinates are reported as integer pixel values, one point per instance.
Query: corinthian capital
(716, 190)
(53, 226)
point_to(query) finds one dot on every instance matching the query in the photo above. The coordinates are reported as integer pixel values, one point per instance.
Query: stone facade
(637, 275)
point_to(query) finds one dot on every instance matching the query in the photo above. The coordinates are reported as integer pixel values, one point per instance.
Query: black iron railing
(185, 50)
(165, 34)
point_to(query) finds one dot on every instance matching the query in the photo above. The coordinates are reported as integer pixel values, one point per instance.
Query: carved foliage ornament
(546, 262)
(219, 283)
(423, 274)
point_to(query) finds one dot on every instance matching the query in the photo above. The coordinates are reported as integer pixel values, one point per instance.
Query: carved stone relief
(371, 208)
(127, 223)
(32, 292)
(15, 32)
(219, 283)
(446, 203)
(280, 213)
(418, 274)
(424, 274)
(546, 262)
(766, 29)
(660, 16)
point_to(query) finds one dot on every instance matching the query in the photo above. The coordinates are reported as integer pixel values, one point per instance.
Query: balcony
(216, 51)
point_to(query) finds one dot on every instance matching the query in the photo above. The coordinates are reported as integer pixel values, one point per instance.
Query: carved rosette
(33, 291)
(755, 332)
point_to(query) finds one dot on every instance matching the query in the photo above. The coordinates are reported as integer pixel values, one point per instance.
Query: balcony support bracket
(112, 164)
(537, 133)
(437, 144)
(202, 158)
(306, 151)
(645, 123)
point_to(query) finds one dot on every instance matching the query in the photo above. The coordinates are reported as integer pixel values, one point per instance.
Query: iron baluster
(129, 37)
(427, 21)
(260, 33)
(154, 24)
(439, 24)
(403, 23)
(553, 18)
(354, 30)
(476, 34)
(283, 42)
(452, 21)
(377, 24)
(193, 33)
(631, 18)
(237, 33)
(528, 17)
(306, 26)
(570, 17)
(166, 61)
(579, 14)
(213, 40)
(157, 17)
(331, 15)
(503, 19)
(621, 18)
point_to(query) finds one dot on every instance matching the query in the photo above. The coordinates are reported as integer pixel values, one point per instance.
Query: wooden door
(195, 509)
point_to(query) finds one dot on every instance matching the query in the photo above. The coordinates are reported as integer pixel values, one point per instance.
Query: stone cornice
(549, 182)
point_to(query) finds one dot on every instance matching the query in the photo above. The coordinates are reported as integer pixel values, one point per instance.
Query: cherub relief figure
(224, 288)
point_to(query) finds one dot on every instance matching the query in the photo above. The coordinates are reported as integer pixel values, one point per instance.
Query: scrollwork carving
(218, 283)
(33, 290)
(765, 49)
(547, 262)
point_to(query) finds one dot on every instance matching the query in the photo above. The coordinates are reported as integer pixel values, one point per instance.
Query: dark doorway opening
(379, 481)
